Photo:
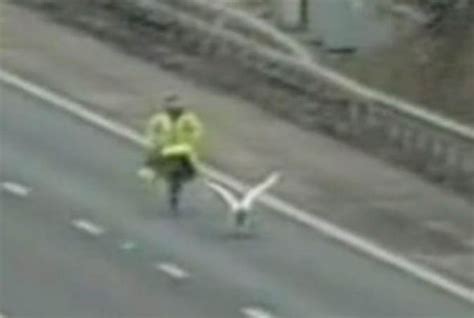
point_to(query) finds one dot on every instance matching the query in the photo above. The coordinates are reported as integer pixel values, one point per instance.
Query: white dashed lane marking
(255, 312)
(88, 227)
(172, 270)
(16, 189)
(127, 245)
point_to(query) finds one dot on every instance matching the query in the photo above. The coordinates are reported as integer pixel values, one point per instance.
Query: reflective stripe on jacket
(163, 132)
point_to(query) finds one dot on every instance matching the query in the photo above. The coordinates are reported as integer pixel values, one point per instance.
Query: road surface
(82, 237)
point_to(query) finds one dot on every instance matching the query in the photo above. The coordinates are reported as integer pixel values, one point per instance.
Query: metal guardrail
(317, 96)
(434, 145)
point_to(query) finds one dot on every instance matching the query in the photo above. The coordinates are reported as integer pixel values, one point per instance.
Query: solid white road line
(16, 189)
(342, 235)
(255, 312)
(88, 227)
(172, 270)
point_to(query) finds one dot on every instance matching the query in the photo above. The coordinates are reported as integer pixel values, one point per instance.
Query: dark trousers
(176, 167)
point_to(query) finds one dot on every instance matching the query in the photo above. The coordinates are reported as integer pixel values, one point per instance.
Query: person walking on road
(173, 141)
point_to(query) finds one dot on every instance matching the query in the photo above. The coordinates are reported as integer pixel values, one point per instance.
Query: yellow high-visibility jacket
(163, 135)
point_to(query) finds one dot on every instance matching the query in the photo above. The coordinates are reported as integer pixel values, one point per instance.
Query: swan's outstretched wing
(225, 194)
(259, 189)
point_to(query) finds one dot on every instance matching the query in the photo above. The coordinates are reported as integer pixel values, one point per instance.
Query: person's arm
(195, 128)
(154, 132)
(150, 133)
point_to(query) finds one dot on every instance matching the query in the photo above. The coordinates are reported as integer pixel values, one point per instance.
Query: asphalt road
(51, 268)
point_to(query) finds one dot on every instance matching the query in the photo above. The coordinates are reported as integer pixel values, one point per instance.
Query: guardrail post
(354, 118)
(395, 132)
(406, 139)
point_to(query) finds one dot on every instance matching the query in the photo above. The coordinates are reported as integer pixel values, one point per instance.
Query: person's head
(173, 105)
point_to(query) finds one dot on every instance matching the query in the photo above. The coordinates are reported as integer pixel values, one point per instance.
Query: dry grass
(433, 67)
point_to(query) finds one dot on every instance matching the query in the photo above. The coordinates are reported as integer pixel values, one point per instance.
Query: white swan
(241, 208)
